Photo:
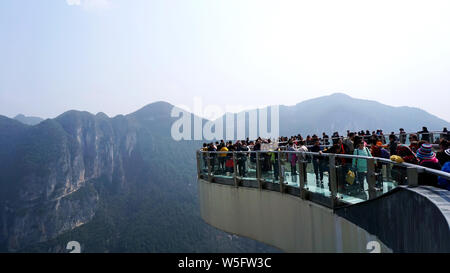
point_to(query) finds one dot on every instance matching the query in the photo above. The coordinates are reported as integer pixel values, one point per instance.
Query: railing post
(371, 179)
(413, 176)
(235, 170)
(281, 172)
(208, 159)
(332, 179)
(258, 169)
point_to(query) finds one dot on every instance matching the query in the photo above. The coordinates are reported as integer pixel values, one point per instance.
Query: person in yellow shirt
(223, 157)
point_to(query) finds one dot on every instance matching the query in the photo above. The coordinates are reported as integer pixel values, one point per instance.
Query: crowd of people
(418, 151)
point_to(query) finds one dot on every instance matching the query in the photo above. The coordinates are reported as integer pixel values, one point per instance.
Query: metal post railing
(258, 170)
(281, 171)
(208, 158)
(302, 170)
(236, 184)
(371, 178)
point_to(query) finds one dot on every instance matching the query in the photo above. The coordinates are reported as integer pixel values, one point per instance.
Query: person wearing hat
(427, 158)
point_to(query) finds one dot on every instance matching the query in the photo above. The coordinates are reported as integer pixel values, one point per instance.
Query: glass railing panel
(351, 179)
(269, 167)
(290, 169)
(223, 166)
(245, 165)
(317, 175)
(436, 138)
(203, 163)
(389, 176)
(215, 169)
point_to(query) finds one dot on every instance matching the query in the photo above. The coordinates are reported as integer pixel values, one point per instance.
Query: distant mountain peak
(340, 94)
(28, 120)
(158, 108)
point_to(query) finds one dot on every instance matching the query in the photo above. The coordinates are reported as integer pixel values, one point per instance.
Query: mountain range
(122, 184)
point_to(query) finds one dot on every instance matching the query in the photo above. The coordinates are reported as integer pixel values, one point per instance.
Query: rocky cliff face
(48, 191)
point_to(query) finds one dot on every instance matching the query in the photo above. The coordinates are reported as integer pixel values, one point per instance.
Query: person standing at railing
(392, 144)
(212, 156)
(303, 157)
(349, 143)
(223, 156)
(425, 134)
(274, 163)
(360, 164)
(427, 158)
(292, 157)
(402, 136)
(442, 155)
(204, 156)
(414, 142)
(326, 139)
(242, 150)
(377, 150)
(342, 164)
(445, 134)
(318, 161)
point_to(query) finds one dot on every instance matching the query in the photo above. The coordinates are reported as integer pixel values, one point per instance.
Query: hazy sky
(116, 56)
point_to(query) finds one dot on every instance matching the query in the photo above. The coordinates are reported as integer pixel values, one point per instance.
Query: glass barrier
(356, 178)
(289, 169)
(245, 166)
(351, 179)
(390, 176)
(268, 166)
(224, 165)
(317, 174)
(203, 157)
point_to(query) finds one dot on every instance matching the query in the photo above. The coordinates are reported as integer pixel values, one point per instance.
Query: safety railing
(330, 179)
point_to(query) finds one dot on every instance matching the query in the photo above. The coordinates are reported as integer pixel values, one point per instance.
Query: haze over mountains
(122, 184)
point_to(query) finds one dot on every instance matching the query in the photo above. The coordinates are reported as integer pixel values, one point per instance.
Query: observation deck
(257, 194)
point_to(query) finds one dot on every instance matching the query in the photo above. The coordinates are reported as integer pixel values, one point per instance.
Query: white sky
(116, 56)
